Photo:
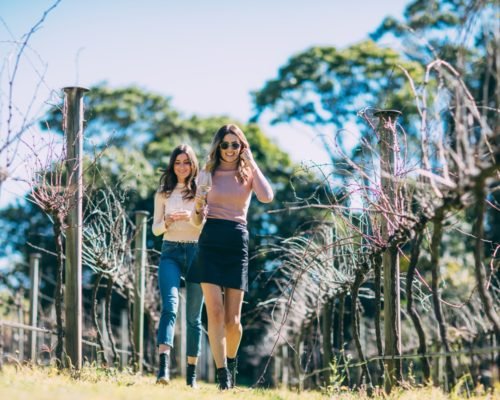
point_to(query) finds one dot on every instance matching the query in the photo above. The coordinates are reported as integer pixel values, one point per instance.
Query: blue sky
(206, 55)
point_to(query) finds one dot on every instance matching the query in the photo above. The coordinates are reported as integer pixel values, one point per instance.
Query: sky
(208, 56)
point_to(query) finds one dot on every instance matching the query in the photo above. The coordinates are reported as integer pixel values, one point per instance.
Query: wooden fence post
(1, 346)
(392, 309)
(124, 336)
(20, 317)
(207, 366)
(104, 331)
(286, 372)
(140, 282)
(73, 127)
(35, 281)
(277, 367)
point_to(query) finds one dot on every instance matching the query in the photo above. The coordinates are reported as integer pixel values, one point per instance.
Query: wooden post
(210, 373)
(104, 331)
(206, 363)
(140, 281)
(1, 346)
(211, 367)
(20, 317)
(286, 373)
(277, 368)
(34, 280)
(326, 330)
(392, 309)
(124, 336)
(327, 313)
(73, 127)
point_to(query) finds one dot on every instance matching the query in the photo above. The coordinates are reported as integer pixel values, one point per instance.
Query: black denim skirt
(222, 255)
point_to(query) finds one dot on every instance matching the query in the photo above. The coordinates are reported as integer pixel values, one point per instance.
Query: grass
(27, 383)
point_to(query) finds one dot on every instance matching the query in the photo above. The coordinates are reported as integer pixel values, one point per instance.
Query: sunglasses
(226, 145)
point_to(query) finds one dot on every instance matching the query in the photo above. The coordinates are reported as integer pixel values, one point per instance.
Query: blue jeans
(176, 260)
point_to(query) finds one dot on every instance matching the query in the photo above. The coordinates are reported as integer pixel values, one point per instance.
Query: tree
(467, 35)
(324, 88)
(457, 113)
(17, 120)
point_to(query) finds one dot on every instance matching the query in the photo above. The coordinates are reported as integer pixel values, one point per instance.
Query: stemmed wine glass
(177, 208)
(175, 203)
(204, 183)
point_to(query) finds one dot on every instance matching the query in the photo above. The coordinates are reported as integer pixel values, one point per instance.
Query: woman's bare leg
(233, 300)
(216, 332)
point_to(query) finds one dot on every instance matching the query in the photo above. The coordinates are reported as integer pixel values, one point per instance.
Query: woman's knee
(216, 313)
(193, 322)
(170, 305)
(168, 314)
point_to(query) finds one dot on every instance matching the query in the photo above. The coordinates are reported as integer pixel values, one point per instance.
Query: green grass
(24, 382)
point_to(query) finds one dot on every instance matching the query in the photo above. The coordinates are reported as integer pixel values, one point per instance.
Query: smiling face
(182, 167)
(230, 148)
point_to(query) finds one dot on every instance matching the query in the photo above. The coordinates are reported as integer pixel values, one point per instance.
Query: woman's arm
(200, 210)
(260, 184)
(159, 223)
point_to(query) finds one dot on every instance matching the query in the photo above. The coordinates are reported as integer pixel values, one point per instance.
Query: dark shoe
(232, 366)
(191, 376)
(163, 371)
(224, 379)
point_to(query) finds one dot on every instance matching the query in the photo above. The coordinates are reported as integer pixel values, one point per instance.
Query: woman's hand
(200, 202)
(168, 219)
(246, 155)
(180, 215)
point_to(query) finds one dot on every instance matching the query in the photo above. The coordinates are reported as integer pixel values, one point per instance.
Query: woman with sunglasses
(174, 207)
(222, 266)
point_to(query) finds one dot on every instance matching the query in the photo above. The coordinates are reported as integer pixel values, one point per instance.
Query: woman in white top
(174, 206)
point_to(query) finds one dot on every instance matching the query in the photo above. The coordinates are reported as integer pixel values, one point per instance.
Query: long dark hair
(214, 152)
(168, 179)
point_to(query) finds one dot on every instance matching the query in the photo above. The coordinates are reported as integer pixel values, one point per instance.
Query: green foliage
(120, 116)
(337, 377)
(125, 169)
(463, 33)
(424, 16)
(326, 86)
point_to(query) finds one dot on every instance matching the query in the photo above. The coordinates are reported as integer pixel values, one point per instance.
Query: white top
(178, 231)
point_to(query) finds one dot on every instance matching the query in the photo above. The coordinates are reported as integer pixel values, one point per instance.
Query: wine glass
(177, 207)
(175, 202)
(204, 183)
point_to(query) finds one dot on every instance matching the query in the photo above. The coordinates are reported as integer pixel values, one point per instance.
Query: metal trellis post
(73, 127)
(140, 279)
(392, 309)
(34, 280)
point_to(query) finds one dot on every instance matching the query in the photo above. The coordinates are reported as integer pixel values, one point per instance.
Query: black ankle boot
(163, 370)
(232, 366)
(224, 378)
(191, 376)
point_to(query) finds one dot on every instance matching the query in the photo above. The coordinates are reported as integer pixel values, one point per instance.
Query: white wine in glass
(204, 183)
